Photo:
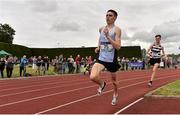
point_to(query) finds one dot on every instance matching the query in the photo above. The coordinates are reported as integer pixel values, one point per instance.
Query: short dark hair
(114, 12)
(158, 35)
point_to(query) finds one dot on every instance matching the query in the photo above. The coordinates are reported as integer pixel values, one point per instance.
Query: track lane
(79, 95)
(101, 105)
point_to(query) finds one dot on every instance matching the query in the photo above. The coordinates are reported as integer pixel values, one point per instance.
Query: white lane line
(128, 106)
(36, 82)
(48, 83)
(37, 90)
(35, 77)
(72, 91)
(82, 99)
(52, 80)
(11, 94)
(47, 96)
(30, 99)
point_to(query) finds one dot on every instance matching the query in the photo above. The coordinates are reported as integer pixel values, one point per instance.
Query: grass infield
(169, 90)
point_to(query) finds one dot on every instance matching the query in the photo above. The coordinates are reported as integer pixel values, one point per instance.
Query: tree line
(6, 33)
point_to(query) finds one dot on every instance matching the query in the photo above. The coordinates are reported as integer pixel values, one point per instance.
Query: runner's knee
(154, 69)
(93, 76)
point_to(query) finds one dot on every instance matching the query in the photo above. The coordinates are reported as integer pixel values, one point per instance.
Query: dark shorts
(152, 61)
(111, 67)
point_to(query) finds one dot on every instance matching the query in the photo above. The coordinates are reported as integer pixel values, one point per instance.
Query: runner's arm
(98, 47)
(148, 51)
(117, 42)
(163, 53)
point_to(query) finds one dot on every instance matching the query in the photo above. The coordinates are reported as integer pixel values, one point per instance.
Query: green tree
(6, 33)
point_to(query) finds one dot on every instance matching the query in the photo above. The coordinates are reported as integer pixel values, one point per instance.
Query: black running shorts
(110, 66)
(152, 61)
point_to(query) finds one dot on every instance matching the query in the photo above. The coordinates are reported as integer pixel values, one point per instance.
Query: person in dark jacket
(2, 66)
(9, 66)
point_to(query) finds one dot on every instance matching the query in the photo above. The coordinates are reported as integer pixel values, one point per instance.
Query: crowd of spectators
(61, 65)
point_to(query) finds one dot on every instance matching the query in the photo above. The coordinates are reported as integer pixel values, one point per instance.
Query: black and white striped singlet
(156, 51)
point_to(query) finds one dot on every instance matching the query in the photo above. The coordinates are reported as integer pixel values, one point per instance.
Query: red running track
(76, 94)
(153, 105)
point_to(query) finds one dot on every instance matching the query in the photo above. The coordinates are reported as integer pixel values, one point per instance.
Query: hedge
(19, 51)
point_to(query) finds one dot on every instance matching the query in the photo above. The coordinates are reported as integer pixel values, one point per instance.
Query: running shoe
(101, 88)
(114, 100)
(149, 84)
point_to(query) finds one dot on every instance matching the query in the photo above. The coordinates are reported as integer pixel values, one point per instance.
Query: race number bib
(155, 54)
(107, 47)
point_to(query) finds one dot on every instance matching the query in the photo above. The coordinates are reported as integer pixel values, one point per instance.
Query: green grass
(28, 70)
(31, 71)
(172, 89)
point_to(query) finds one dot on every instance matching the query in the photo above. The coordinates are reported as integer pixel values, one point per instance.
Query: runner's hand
(149, 55)
(96, 50)
(106, 32)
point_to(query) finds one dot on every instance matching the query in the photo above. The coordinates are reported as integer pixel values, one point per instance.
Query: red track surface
(155, 106)
(76, 94)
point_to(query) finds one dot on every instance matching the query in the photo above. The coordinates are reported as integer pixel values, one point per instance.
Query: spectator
(60, 64)
(123, 63)
(55, 64)
(43, 65)
(47, 62)
(70, 64)
(34, 63)
(38, 64)
(126, 63)
(168, 62)
(132, 60)
(9, 66)
(77, 60)
(22, 65)
(2, 66)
